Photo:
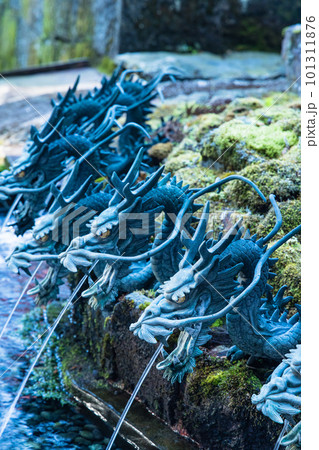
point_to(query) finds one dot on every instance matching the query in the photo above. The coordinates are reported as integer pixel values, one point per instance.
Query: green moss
(106, 321)
(53, 310)
(242, 106)
(278, 177)
(236, 143)
(107, 65)
(199, 125)
(143, 306)
(48, 16)
(8, 35)
(291, 217)
(179, 160)
(150, 293)
(106, 348)
(288, 269)
(196, 176)
(165, 112)
(218, 323)
(46, 379)
(287, 118)
(234, 383)
(4, 163)
(280, 98)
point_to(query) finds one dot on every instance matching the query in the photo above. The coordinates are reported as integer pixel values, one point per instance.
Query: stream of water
(36, 423)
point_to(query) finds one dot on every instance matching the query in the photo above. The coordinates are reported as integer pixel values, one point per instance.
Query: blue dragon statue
(33, 174)
(111, 233)
(67, 217)
(280, 397)
(73, 132)
(115, 232)
(220, 277)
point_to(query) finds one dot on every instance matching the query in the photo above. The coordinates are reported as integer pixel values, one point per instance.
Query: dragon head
(281, 395)
(201, 286)
(29, 171)
(46, 232)
(114, 226)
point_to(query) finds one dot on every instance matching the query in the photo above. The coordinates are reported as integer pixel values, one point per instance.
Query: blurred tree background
(35, 32)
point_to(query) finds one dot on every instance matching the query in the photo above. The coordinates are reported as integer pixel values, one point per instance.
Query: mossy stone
(196, 177)
(107, 65)
(241, 106)
(287, 118)
(219, 377)
(238, 142)
(184, 154)
(288, 268)
(277, 177)
(201, 124)
(161, 150)
(291, 218)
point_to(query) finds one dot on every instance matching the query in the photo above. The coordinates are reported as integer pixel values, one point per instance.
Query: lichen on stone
(278, 177)
(239, 142)
(219, 377)
(288, 270)
(161, 150)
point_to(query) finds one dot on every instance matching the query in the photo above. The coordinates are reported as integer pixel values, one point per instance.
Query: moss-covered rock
(220, 377)
(196, 177)
(242, 106)
(161, 150)
(184, 155)
(199, 125)
(239, 142)
(276, 176)
(215, 388)
(291, 218)
(287, 118)
(288, 269)
(288, 98)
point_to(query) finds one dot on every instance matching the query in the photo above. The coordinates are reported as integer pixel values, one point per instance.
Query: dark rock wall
(212, 25)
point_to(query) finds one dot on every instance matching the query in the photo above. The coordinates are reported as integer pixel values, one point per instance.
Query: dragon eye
(105, 234)
(43, 238)
(20, 174)
(181, 299)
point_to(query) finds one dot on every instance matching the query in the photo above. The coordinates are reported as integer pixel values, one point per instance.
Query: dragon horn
(257, 274)
(61, 199)
(108, 122)
(150, 182)
(217, 184)
(75, 84)
(130, 197)
(103, 112)
(53, 134)
(129, 179)
(116, 73)
(192, 245)
(52, 121)
(261, 242)
(33, 131)
(223, 243)
(127, 72)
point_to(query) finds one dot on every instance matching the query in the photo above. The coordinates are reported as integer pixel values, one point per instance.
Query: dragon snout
(3, 196)
(148, 327)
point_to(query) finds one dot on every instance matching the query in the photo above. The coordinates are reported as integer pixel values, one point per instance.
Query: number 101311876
(310, 50)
